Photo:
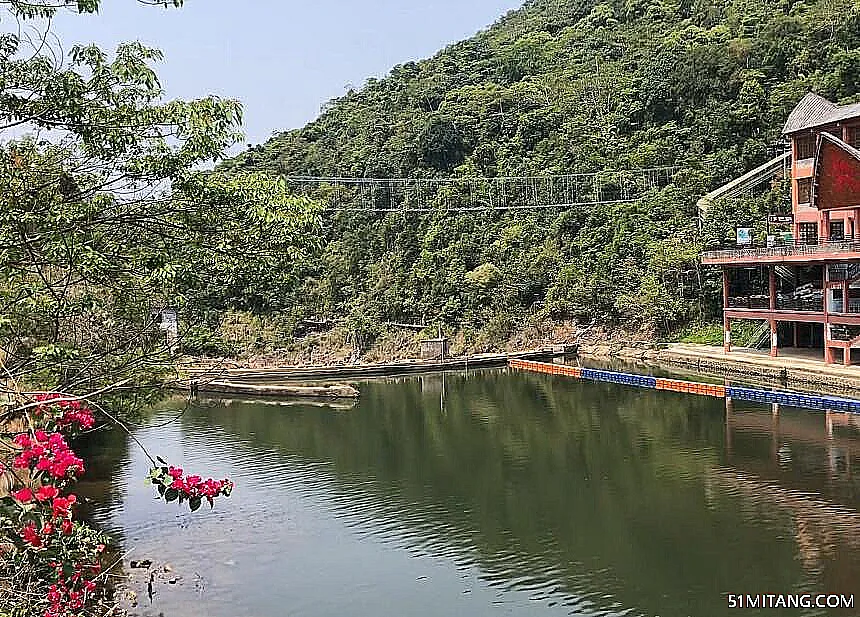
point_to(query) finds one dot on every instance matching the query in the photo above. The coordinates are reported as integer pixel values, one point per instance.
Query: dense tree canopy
(557, 88)
(106, 218)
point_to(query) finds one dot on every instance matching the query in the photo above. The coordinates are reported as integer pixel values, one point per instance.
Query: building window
(808, 233)
(837, 230)
(804, 191)
(805, 147)
(854, 136)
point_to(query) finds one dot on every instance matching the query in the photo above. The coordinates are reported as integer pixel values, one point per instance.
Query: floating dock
(781, 397)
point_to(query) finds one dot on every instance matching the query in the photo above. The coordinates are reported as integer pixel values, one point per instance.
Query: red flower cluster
(70, 595)
(191, 487)
(66, 414)
(46, 528)
(45, 493)
(48, 453)
(31, 536)
(61, 507)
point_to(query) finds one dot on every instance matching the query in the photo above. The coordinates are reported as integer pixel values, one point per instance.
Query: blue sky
(284, 59)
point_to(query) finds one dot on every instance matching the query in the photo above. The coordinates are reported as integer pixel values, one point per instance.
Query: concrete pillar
(828, 352)
(846, 356)
(772, 287)
(774, 339)
(845, 296)
(824, 226)
(794, 329)
(727, 325)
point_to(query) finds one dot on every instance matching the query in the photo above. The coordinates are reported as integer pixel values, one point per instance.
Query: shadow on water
(496, 493)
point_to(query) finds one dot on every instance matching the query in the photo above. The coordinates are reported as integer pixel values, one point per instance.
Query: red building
(807, 286)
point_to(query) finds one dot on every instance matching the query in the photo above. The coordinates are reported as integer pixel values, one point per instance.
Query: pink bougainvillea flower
(30, 535)
(25, 495)
(62, 506)
(67, 527)
(22, 440)
(48, 453)
(47, 493)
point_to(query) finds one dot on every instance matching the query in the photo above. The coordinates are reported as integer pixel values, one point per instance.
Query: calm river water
(495, 493)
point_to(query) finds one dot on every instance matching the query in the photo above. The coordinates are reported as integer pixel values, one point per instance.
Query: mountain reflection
(587, 498)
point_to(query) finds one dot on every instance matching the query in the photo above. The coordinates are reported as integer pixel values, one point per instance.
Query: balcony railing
(813, 303)
(749, 302)
(786, 250)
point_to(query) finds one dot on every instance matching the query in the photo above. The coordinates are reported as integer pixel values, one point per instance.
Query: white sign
(744, 235)
(169, 319)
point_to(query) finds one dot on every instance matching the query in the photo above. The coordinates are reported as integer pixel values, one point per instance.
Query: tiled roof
(814, 110)
(846, 112)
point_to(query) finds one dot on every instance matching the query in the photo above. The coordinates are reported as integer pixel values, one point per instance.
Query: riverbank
(795, 370)
(788, 370)
(229, 377)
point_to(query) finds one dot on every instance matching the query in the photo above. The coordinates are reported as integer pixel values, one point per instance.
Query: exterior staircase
(774, 168)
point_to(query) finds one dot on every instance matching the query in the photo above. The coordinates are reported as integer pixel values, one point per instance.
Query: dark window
(808, 233)
(854, 136)
(805, 147)
(837, 230)
(804, 191)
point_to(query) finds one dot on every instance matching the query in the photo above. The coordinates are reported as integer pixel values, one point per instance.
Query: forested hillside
(559, 87)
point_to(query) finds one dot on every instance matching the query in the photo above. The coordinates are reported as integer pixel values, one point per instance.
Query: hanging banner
(744, 235)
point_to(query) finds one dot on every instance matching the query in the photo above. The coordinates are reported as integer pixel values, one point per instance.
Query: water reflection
(497, 493)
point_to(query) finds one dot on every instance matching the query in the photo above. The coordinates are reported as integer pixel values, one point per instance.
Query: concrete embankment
(790, 369)
(749, 364)
(260, 377)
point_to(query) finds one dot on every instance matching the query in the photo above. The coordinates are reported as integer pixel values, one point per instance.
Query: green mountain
(560, 87)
